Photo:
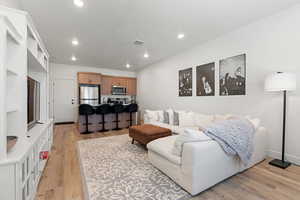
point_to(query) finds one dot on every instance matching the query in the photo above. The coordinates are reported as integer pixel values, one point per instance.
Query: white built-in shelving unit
(22, 54)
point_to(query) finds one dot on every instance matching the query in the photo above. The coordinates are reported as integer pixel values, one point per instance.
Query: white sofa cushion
(203, 121)
(175, 129)
(189, 135)
(163, 147)
(223, 117)
(180, 130)
(163, 125)
(186, 119)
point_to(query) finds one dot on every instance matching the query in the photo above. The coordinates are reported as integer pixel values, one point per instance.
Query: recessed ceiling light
(78, 3)
(128, 65)
(73, 58)
(146, 55)
(75, 42)
(180, 36)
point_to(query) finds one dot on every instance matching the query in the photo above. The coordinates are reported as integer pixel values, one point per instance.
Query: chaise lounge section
(202, 164)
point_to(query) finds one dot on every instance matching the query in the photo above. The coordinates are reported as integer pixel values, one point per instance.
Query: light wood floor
(61, 179)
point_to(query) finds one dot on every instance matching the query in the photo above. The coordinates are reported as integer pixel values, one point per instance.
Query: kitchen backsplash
(125, 98)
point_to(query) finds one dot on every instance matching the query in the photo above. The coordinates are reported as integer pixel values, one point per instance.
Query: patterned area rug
(114, 169)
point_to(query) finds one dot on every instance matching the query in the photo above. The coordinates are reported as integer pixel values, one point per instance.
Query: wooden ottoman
(146, 133)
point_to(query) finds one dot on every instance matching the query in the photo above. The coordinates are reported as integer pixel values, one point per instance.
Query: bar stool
(117, 109)
(86, 110)
(103, 110)
(131, 108)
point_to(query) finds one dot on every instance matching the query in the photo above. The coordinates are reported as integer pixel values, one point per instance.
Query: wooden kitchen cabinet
(119, 81)
(106, 85)
(109, 81)
(131, 86)
(89, 78)
(115, 81)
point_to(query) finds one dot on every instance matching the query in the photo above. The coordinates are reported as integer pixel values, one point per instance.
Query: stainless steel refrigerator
(89, 94)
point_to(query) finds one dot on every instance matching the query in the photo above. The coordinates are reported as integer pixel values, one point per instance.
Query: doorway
(65, 103)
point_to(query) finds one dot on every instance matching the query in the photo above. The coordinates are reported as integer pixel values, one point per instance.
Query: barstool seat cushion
(131, 108)
(103, 109)
(85, 109)
(118, 108)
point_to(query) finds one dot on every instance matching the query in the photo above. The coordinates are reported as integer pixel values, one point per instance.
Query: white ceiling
(106, 29)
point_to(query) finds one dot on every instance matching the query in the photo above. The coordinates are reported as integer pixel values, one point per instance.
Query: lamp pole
(283, 126)
(276, 162)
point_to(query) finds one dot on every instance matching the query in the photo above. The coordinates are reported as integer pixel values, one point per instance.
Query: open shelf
(11, 72)
(13, 52)
(12, 32)
(14, 37)
(11, 108)
(34, 48)
(34, 64)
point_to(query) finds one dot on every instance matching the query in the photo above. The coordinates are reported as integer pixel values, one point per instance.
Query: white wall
(271, 44)
(11, 3)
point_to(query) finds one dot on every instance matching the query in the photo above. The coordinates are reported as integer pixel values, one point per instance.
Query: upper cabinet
(109, 81)
(132, 84)
(89, 78)
(37, 54)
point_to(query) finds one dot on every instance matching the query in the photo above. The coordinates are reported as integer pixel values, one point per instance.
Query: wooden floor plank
(61, 179)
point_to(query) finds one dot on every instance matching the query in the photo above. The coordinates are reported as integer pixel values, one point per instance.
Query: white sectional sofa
(202, 164)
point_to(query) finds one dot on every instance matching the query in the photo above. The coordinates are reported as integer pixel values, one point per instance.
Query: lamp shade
(280, 81)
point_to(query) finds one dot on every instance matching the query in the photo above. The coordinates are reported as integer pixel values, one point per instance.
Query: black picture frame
(205, 79)
(185, 82)
(232, 75)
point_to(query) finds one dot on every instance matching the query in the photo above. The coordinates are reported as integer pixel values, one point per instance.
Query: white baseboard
(291, 158)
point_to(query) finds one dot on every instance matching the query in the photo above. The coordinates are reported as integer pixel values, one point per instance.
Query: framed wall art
(232, 75)
(186, 82)
(205, 75)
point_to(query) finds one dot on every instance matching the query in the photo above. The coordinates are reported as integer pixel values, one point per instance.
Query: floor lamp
(281, 82)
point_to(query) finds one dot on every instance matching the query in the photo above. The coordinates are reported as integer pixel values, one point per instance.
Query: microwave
(118, 90)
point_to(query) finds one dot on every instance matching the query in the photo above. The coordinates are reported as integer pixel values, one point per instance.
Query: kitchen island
(95, 120)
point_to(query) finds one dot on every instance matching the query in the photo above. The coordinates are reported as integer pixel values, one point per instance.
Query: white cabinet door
(7, 182)
(65, 103)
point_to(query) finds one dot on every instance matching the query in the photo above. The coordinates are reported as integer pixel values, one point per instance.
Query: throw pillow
(160, 114)
(176, 119)
(150, 116)
(171, 116)
(166, 118)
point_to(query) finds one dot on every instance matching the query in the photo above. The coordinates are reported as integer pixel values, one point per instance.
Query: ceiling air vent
(138, 42)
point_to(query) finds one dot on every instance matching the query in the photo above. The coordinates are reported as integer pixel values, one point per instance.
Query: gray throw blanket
(235, 136)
